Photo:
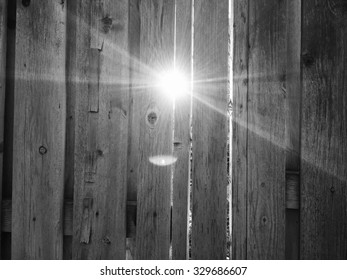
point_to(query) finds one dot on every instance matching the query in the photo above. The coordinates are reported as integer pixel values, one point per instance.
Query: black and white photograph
(173, 130)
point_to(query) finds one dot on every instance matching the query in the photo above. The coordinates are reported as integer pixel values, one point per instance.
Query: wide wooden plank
(239, 126)
(153, 113)
(266, 130)
(6, 224)
(39, 130)
(101, 75)
(183, 59)
(210, 129)
(3, 39)
(324, 134)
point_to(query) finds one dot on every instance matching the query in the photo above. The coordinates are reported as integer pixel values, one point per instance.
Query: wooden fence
(99, 164)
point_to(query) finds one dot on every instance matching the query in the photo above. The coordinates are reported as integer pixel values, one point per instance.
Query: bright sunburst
(173, 83)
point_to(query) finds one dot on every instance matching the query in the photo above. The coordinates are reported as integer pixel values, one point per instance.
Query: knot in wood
(307, 59)
(332, 189)
(152, 118)
(106, 240)
(42, 150)
(26, 3)
(264, 219)
(107, 23)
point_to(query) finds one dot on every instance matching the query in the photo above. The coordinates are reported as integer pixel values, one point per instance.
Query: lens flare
(173, 84)
(162, 160)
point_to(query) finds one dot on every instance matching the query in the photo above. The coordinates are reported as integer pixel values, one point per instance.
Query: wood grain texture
(292, 136)
(239, 126)
(153, 111)
(133, 139)
(39, 131)
(6, 225)
(101, 77)
(266, 130)
(183, 59)
(9, 101)
(3, 40)
(210, 129)
(133, 142)
(324, 134)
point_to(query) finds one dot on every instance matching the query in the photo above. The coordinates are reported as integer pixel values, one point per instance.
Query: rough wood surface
(292, 137)
(154, 111)
(239, 140)
(183, 58)
(3, 40)
(210, 129)
(39, 130)
(100, 81)
(323, 128)
(9, 101)
(133, 142)
(266, 130)
(6, 225)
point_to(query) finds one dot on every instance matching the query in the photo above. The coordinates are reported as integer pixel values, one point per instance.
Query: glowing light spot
(162, 160)
(173, 84)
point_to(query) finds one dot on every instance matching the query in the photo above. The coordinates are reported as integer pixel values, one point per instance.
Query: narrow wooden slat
(266, 130)
(134, 128)
(101, 86)
(210, 129)
(293, 103)
(39, 130)
(239, 126)
(9, 116)
(183, 58)
(323, 128)
(9, 101)
(133, 140)
(154, 111)
(3, 39)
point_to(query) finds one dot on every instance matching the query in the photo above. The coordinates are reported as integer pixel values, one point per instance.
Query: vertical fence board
(101, 84)
(239, 144)
(155, 131)
(134, 50)
(266, 93)
(292, 136)
(210, 129)
(39, 124)
(133, 142)
(181, 182)
(324, 134)
(8, 126)
(3, 38)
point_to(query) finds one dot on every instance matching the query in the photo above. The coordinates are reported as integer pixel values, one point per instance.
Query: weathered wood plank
(133, 141)
(239, 126)
(3, 40)
(266, 130)
(135, 79)
(323, 129)
(210, 129)
(9, 101)
(183, 59)
(292, 136)
(39, 130)
(67, 219)
(154, 114)
(101, 86)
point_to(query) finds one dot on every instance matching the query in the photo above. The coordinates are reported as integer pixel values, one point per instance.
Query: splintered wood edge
(6, 217)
